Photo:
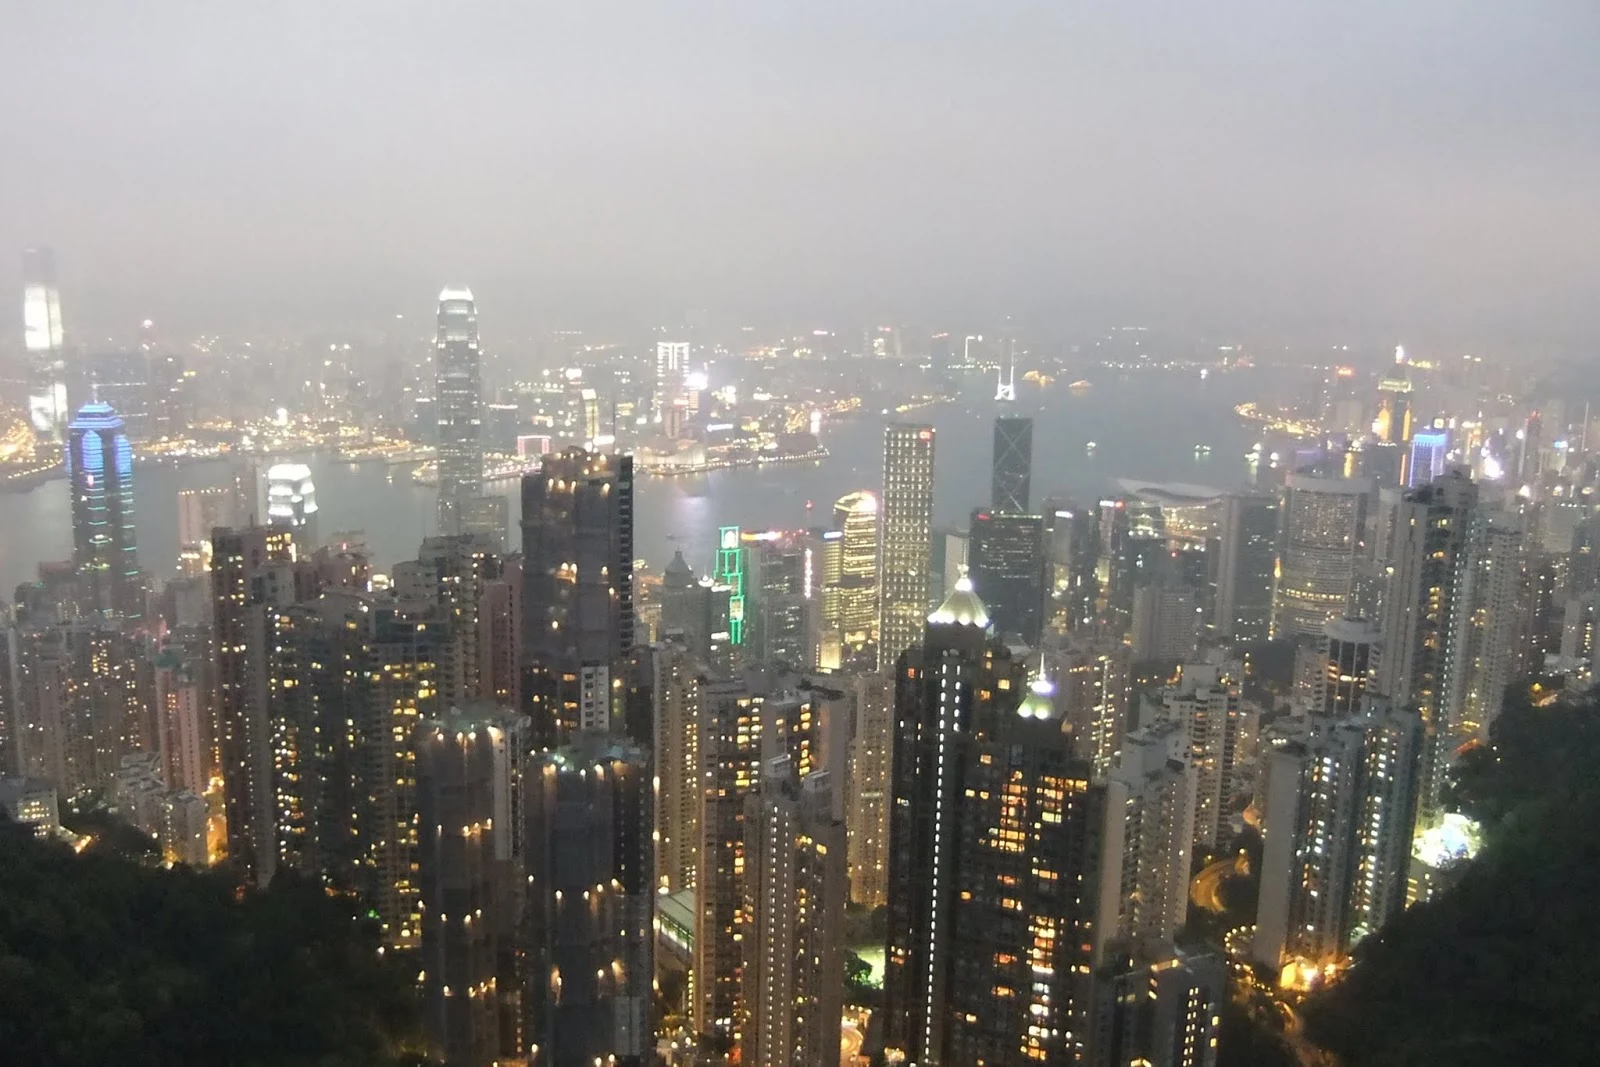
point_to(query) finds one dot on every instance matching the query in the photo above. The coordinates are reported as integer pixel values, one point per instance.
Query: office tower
(591, 897)
(672, 363)
(252, 569)
(1491, 625)
(577, 559)
(777, 609)
(1152, 811)
(1323, 521)
(472, 793)
(1159, 1010)
(745, 722)
(458, 406)
(292, 502)
(728, 577)
(1012, 471)
(794, 894)
(1091, 676)
(1206, 703)
(995, 851)
(1166, 622)
(1337, 825)
(686, 605)
(1249, 545)
(44, 344)
(676, 748)
(1429, 450)
(1070, 534)
(84, 698)
(105, 550)
(867, 810)
(905, 559)
(850, 580)
(1005, 557)
(1346, 665)
(1393, 424)
(1422, 657)
(199, 512)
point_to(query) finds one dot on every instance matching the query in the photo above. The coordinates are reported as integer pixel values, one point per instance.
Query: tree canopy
(104, 961)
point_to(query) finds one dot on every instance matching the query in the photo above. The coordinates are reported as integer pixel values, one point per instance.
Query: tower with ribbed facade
(105, 551)
(906, 544)
(458, 405)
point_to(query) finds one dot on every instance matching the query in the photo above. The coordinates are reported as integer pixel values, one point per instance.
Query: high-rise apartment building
(472, 799)
(745, 723)
(44, 343)
(1323, 529)
(1338, 819)
(1206, 703)
(1091, 678)
(458, 407)
(794, 899)
(1422, 658)
(906, 556)
(867, 810)
(578, 621)
(252, 569)
(1012, 465)
(1152, 810)
(675, 692)
(1006, 558)
(1248, 553)
(105, 549)
(995, 847)
(591, 904)
(1164, 1010)
(1492, 625)
(199, 512)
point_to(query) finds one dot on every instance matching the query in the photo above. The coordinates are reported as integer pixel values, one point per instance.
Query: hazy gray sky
(1426, 163)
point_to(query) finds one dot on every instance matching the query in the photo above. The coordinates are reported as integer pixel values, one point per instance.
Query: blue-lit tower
(105, 552)
(1429, 449)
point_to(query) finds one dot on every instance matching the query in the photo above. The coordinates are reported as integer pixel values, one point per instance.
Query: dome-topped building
(962, 607)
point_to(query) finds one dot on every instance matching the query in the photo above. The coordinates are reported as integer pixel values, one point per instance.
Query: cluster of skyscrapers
(591, 799)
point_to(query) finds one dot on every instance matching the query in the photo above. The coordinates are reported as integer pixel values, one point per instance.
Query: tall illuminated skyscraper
(44, 343)
(995, 851)
(906, 555)
(1012, 473)
(672, 363)
(104, 548)
(458, 403)
(1244, 569)
(1429, 448)
(577, 549)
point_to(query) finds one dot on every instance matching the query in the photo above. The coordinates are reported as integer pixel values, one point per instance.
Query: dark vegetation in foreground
(107, 961)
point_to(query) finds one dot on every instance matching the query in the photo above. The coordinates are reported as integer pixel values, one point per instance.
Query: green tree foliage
(104, 961)
(1499, 968)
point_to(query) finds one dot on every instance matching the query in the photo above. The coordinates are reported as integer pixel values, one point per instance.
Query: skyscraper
(1493, 624)
(906, 554)
(995, 852)
(867, 811)
(1012, 471)
(105, 551)
(591, 886)
(44, 343)
(1323, 526)
(672, 363)
(1153, 792)
(1422, 656)
(472, 786)
(1337, 825)
(1207, 704)
(1005, 555)
(850, 590)
(251, 570)
(1347, 667)
(1429, 450)
(577, 548)
(675, 692)
(458, 405)
(794, 896)
(1244, 568)
(292, 502)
